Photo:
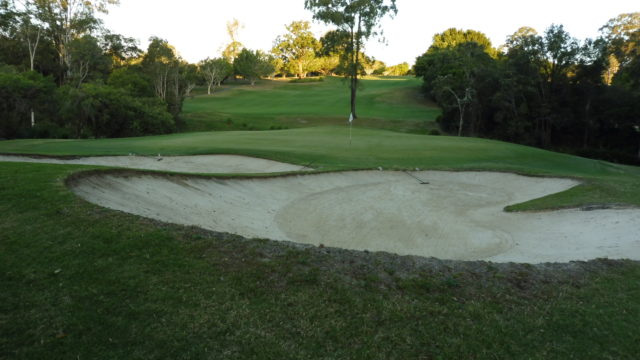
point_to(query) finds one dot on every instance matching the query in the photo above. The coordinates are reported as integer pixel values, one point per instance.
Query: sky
(197, 28)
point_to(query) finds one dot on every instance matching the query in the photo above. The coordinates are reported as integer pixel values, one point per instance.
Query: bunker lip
(457, 216)
(219, 163)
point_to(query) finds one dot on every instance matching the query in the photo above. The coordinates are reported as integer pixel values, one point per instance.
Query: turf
(79, 281)
(328, 148)
(394, 103)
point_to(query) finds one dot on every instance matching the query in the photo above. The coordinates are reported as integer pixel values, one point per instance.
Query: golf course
(285, 236)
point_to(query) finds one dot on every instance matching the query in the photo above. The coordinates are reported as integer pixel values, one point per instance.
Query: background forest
(63, 75)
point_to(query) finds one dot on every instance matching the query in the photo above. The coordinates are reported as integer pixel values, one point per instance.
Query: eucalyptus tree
(86, 58)
(232, 50)
(359, 20)
(297, 48)
(214, 71)
(66, 20)
(252, 65)
(171, 76)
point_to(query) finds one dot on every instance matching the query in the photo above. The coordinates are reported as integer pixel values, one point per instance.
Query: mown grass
(394, 103)
(80, 281)
(328, 148)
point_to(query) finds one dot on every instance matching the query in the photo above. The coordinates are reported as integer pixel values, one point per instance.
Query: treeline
(547, 90)
(297, 53)
(62, 74)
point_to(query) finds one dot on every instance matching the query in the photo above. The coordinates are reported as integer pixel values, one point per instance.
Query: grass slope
(328, 148)
(394, 103)
(79, 281)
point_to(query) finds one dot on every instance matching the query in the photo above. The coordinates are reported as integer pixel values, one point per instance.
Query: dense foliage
(547, 90)
(63, 75)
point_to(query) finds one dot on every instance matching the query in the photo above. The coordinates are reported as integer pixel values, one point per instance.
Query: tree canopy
(297, 48)
(356, 21)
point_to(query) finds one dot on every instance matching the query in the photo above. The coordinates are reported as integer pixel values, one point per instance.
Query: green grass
(79, 281)
(328, 149)
(394, 103)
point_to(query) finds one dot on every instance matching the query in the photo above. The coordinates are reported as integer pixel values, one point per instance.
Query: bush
(20, 93)
(47, 129)
(307, 80)
(105, 111)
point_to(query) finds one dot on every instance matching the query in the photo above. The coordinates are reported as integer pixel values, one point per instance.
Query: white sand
(458, 215)
(208, 164)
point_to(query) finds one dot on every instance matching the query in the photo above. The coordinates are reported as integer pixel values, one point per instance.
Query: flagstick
(350, 126)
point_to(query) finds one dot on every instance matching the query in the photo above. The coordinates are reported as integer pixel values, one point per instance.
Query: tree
(67, 20)
(234, 47)
(327, 65)
(359, 19)
(121, 49)
(252, 65)
(297, 48)
(214, 71)
(398, 70)
(619, 32)
(21, 94)
(371, 66)
(30, 34)
(453, 37)
(85, 56)
(170, 75)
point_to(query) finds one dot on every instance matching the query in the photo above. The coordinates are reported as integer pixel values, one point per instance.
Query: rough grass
(394, 103)
(79, 281)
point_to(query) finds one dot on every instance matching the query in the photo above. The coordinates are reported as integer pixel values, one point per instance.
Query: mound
(448, 215)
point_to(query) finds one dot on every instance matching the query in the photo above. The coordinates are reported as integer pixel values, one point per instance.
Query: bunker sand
(187, 164)
(447, 215)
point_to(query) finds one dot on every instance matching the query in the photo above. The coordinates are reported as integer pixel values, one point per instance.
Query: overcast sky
(197, 27)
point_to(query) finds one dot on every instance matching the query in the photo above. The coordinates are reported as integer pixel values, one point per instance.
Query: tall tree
(297, 48)
(67, 20)
(252, 65)
(214, 71)
(85, 57)
(170, 75)
(234, 47)
(453, 37)
(121, 49)
(360, 20)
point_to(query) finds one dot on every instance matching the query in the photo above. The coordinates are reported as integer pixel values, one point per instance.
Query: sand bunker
(187, 164)
(457, 215)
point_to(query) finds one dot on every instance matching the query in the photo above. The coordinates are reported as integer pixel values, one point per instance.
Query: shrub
(20, 93)
(307, 80)
(105, 111)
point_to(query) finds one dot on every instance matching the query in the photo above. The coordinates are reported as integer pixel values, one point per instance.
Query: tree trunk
(355, 39)
(461, 110)
(587, 124)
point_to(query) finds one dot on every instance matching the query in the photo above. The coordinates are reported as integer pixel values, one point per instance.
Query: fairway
(395, 103)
